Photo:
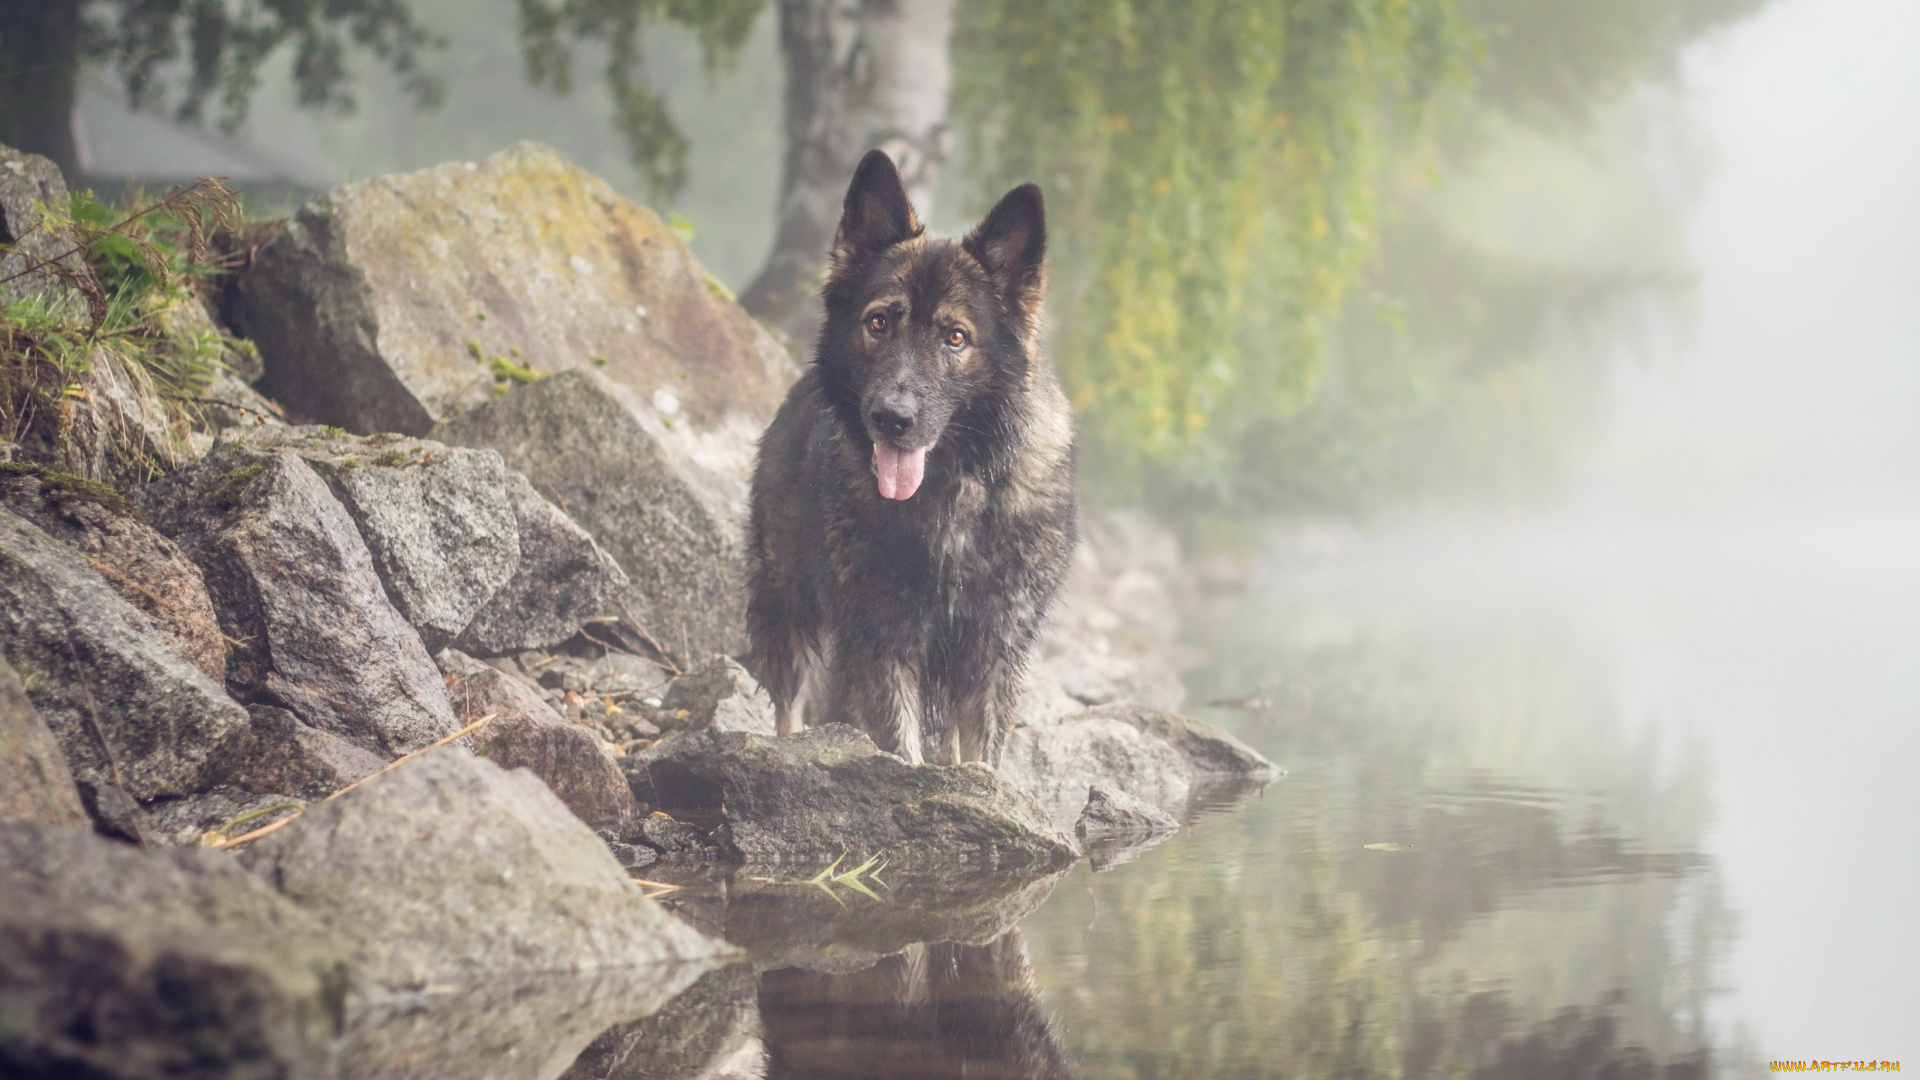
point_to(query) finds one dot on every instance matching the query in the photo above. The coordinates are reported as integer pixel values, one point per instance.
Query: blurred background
(1331, 256)
(1555, 368)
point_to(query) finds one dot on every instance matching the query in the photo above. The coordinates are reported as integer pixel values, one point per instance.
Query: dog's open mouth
(899, 471)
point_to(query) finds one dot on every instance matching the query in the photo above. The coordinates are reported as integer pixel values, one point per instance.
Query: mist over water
(1741, 557)
(1775, 609)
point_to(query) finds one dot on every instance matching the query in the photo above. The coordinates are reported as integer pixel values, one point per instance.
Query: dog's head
(923, 337)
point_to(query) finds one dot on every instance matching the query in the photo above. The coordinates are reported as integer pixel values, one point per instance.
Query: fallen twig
(235, 841)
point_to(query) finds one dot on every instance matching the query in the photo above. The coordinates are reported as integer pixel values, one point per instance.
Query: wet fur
(913, 619)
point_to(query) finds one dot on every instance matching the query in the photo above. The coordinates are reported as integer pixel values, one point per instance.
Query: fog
(1801, 379)
(1784, 617)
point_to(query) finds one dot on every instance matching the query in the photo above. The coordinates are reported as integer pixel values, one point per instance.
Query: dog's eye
(877, 323)
(956, 338)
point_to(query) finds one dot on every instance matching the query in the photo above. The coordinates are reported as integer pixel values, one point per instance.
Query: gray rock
(389, 304)
(279, 755)
(99, 673)
(451, 870)
(122, 428)
(525, 733)
(1115, 828)
(629, 855)
(1109, 812)
(502, 1027)
(1090, 667)
(1209, 751)
(294, 584)
(827, 791)
(563, 579)
(624, 673)
(672, 520)
(144, 567)
(677, 840)
(222, 811)
(117, 962)
(436, 519)
(722, 696)
(35, 784)
(1130, 748)
(26, 180)
(1056, 765)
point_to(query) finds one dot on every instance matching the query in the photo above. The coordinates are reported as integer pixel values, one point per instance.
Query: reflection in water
(1475, 867)
(932, 1011)
(711, 1032)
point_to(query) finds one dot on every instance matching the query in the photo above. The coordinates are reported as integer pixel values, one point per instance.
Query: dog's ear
(1012, 244)
(877, 214)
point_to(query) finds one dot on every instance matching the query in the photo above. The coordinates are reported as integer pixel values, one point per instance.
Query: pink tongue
(899, 471)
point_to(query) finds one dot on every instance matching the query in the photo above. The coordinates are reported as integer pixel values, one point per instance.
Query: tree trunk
(39, 69)
(860, 74)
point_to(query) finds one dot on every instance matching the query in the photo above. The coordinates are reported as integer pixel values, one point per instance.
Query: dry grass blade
(264, 830)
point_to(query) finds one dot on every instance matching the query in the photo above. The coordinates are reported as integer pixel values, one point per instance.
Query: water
(1646, 794)
(1563, 802)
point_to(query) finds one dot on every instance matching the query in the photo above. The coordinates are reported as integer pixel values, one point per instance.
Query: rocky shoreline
(502, 550)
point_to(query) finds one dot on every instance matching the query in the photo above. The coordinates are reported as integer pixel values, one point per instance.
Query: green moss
(332, 432)
(507, 371)
(393, 459)
(224, 490)
(474, 350)
(350, 463)
(64, 487)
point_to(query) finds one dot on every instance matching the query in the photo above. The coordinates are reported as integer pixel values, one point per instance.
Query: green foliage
(221, 48)
(1259, 300)
(116, 304)
(1211, 175)
(550, 31)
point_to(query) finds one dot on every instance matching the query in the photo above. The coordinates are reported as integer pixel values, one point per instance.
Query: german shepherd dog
(913, 509)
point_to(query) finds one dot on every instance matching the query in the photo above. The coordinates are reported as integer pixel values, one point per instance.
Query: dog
(913, 510)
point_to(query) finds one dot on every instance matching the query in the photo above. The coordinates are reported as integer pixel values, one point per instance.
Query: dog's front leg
(878, 691)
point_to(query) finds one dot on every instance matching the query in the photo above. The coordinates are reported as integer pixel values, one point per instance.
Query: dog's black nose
(892, 416)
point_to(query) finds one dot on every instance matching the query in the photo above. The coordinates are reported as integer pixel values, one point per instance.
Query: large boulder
(296, 588)
(436, 519)
(563, 580)
(122, 963)
(449, 870)
(131, 714)
(525, 733)
(389, 304)
(144, 567)
(27, 183)
(35, 784)
(828, 791)
(669, 505)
